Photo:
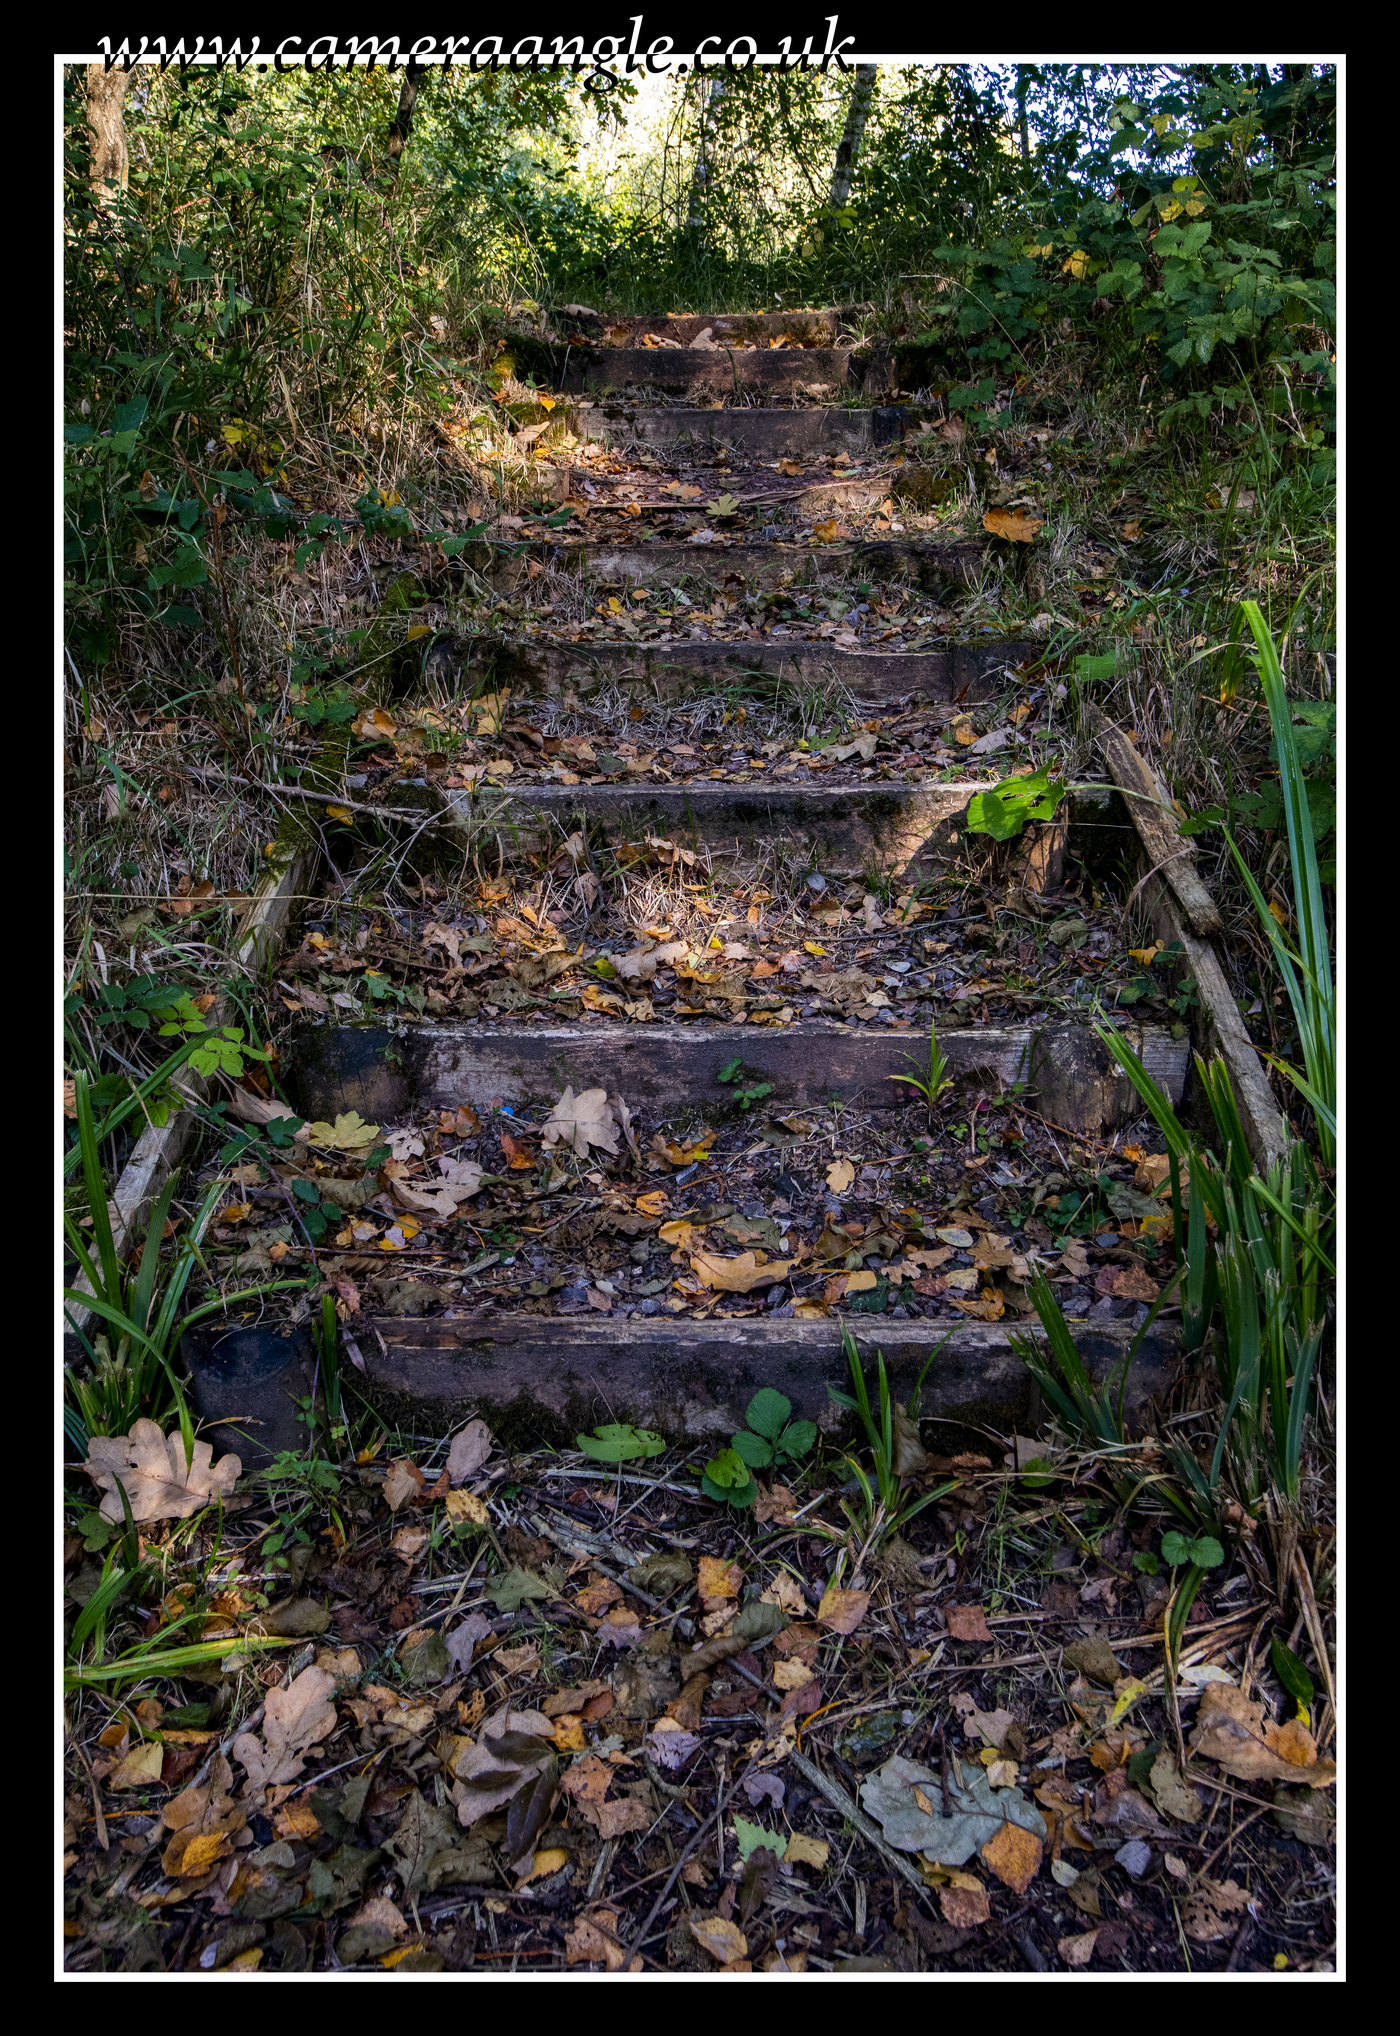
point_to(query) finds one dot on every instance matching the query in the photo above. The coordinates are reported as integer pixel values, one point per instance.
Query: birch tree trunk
(848, 151)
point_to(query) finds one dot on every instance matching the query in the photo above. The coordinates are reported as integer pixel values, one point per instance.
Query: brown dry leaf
(778, 1504)
(839, 1176)
(294, 1720)
(568, 1732)
(724, 1941)
(469, 1450)
(152, 1470)
(596, 1596)
(842, 1610)
(513, 1749)
(802, 1851)
(374, 721)
(786, 1593)
(593, 1941)
(718, 1578)
(205, 1818)
(1077, 1951)
(1013, 523)
(521, 1157)
(789, 466)
(830, 532)
(1211, 1912)
(621, 1627)
(403, 1481)
(139, 1768)
(965, 1903)
(1014, 1855)
(409, 1542)
(1234, 1732)
(582, 1121)
(968, 1622)
(988, 1306)
(738, 1275)
(464, 1508)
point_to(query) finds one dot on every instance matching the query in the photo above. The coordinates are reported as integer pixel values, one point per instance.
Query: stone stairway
(696, 453)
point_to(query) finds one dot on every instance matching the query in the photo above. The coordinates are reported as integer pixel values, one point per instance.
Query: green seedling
(938, 1078)
(771, 1438)
(746, 1094)
(619, 1442)
(728, 1480)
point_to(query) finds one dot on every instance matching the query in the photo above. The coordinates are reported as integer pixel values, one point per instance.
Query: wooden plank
(668, 1070)
(727, 371)
(1149, 802)
(1222, 1030)
(763, 433)
(731, 328)
(162, 1147)
(889, 823)
(611, 563)
(536, 665)
(545, 1378)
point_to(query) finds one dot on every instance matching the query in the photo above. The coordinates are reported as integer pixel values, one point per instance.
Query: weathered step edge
(826, 427)
(607, 563)
(963, 672)
(389, 1074)
(816, 824)
(544, 1378)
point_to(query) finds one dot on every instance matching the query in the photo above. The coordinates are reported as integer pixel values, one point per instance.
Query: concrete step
(539, 665)
(666, 1070)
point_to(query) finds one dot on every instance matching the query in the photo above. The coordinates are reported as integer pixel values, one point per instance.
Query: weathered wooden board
(965, 672)
(764, 433)
(1149, 802)
(692, 371)
(728, 328)
(544, 1378)
(1221, 1028)
(889, 823)
(670, 1070)
(607, 563)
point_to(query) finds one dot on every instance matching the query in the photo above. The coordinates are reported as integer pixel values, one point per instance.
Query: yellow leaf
(554, 1856)
(234, 434)
(374, 722)
(465, 1509)
(839, 1176)
(679, 1232)
(812, 947)
(804, 1851)
(789, 466)
(419, 629)
(1146, 955)
(339, 813)
(1077, 265)
(349, 1133)
(1278, 911)
(654, 1203)
(1013, 523)
(860, 1282)
(829, 532)
(545, 402)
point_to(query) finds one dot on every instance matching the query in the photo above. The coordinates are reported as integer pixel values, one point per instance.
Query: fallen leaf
(1077, 1951)
(593, 1941)
(739, 1275)
(842, 1610)
(349, 1133)
(403, 1481)
(839, 1176)
(965, 1908)
(582, 1121)
(1213, 1909)
(1014, 1855)
(968, 1622)
(724, 1941)
(153, 1472)
(374, 721)
(718, 1578)
(469, 1450)
(294, 1720)
(804, 1851)
(1234, 1732)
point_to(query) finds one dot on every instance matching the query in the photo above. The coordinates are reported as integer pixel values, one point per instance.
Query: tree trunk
(106, 96)
(1022, 82)
(857, 113)
(402, 124)
(712, 91)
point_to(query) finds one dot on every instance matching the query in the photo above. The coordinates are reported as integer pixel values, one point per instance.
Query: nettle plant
(771, 1438)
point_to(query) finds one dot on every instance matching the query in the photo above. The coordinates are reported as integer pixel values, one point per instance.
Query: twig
(847, 1807)
(97, 1817)
(1225, 1843)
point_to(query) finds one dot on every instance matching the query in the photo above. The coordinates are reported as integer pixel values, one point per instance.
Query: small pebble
(1106, 1239)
